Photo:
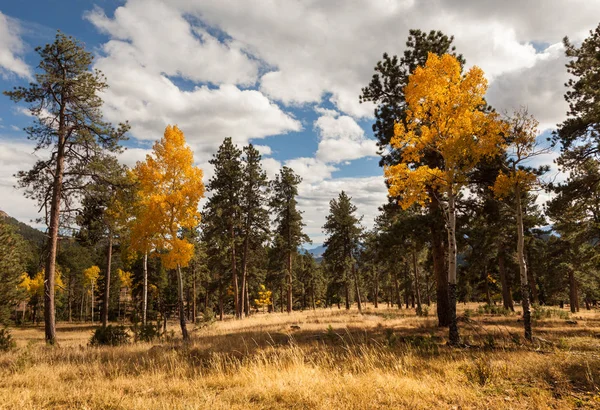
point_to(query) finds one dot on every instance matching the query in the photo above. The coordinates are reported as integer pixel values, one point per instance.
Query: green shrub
(493, 310)
(146, 333)
(423, 311)
(539, 312)
(6, 341)
(110, 336)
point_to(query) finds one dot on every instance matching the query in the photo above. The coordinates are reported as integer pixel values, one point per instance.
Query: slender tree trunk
(356, 285)
(453, 335)
(523, 267)
(107, 282)
(145, 291)
(397, 291)
(234, 279)
(572, 291)
(50, 271)
(92, 303)
(69, 297)
(245, 275)
(289, 282)
(376, 295)
(347, 294)
(195, 296)
(416, 270)
(184, 331)
(281, 298)
(220, 303)
(439, 268)
(506, 293)
(531, 277)
(486, 286)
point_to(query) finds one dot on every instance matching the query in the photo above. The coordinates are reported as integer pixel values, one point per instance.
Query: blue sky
(285, 76)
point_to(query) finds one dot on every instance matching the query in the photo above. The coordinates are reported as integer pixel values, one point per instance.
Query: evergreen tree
(288, 219)
(66, 106)
(344, 230)
(224, 206)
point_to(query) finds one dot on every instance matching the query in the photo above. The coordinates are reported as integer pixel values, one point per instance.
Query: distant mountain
(31, 235)
(317, 252)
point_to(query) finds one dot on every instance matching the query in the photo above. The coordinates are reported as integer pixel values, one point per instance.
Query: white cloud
(311, 169)
(12, 49)
(342, 139)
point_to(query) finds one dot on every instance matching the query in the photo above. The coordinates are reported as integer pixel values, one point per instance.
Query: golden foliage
(91, 275)
(445, 116)
(264, 297)
(35, 286)
(125, 278)
(506, 183)
(169, 190)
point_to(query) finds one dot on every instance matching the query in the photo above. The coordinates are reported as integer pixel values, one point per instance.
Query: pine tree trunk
(506, 293)
(523, 267)
(107, 282)
(245, 275)
(416, 270)
(50, 270)
(356, 285)
(145, 291)
(441, 274)
(281, 298)
(289, 282)
(532, 282)
(195, 296)
(220, 303)
(184, 331)
(572, 291)
(234, 279)
(376, 295)
(486, 286)
(69, 298)
(453, 335)
(92, 303)
(347, 294)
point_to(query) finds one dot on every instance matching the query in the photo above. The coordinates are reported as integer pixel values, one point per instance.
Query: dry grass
(384, 358)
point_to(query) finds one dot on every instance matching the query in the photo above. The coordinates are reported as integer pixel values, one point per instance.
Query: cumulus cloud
(342, 139)
(12, 49)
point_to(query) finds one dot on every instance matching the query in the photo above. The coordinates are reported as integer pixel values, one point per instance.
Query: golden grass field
(384, 358)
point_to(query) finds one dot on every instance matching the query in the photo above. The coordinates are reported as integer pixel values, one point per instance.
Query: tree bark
(289, 282)
(506, 293)
(572, 292)
(234, 279)
(376, 295)
(416, 270)
(50, 271)
(486, 286)
(106, 301)
(441, 275)
(245, 276)
(145, 291)
(347, 293)
(184, 331)
(531, 277)
(453, 335)
(523, 267)
(356, 285)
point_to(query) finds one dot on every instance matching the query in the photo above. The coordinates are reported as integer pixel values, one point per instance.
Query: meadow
(323, 359)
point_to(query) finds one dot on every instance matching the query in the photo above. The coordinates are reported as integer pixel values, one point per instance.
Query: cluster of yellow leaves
(91, 275)
(170, 188)
(264, 297)
(35, 286)
(125, 278)
(444, 116)
(506, 183)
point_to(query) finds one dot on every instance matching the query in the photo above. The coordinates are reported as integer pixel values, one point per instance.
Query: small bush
(6, 341)
(391, 337)
(493, 310)
(480, 371)
(146, 333)
(110, 336)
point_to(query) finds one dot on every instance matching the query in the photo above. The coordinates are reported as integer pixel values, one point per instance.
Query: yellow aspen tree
(91, 277)
(169, 190)
(446, 116)
(516, 182)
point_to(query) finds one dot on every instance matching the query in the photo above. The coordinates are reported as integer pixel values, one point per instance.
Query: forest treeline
(461, 222)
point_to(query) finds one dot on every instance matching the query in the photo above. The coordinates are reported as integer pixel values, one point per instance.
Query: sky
(284, 75)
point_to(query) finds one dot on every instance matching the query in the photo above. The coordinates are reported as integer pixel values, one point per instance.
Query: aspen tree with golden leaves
(446, 115)
(170, 188)
(515, 183)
